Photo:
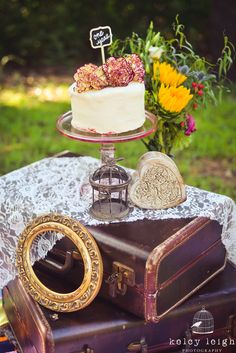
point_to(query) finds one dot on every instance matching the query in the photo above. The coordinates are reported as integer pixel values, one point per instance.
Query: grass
(27, 133)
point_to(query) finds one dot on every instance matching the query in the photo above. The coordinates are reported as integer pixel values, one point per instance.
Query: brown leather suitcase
(150, 267)
(104, 328)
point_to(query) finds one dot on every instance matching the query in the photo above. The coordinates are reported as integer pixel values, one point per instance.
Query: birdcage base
(110, 211)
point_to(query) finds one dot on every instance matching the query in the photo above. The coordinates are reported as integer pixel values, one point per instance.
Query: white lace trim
(61, 185)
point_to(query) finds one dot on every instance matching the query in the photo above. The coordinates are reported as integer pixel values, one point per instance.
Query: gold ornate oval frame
(85, 243)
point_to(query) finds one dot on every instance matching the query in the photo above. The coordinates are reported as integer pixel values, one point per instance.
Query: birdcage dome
(109, 176)
(203, 322)
(110, 191)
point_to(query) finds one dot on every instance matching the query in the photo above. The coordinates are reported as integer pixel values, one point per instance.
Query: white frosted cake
(111, 109)
(109, 98)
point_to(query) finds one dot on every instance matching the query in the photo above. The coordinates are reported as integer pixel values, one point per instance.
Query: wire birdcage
(110, 191)
(203, 322)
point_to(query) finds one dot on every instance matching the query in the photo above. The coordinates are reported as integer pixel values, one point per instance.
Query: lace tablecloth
(61, 185)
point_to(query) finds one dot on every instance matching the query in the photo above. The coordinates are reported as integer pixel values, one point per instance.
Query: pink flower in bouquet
(191, 126)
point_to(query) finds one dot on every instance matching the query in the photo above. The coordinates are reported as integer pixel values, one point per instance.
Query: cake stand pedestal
(107, 141)
(110, 181)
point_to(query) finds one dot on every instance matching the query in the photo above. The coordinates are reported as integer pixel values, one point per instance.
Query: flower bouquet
(178, 81)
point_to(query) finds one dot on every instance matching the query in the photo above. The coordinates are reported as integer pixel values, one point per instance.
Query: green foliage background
(40, 33)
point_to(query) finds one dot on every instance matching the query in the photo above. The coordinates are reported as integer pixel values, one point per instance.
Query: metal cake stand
(107, 141)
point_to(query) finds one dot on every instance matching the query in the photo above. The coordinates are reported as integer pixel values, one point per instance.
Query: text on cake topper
(101, 37)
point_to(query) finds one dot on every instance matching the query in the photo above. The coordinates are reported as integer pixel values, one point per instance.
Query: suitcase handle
(56, 267)
(138, 347)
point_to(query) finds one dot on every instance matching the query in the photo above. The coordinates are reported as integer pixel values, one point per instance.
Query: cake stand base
(103, 210)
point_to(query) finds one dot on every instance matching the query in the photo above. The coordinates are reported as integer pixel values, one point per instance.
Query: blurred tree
(55, 33)
(222, 20)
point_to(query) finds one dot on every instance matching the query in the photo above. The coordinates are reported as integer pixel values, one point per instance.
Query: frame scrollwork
(84, 242)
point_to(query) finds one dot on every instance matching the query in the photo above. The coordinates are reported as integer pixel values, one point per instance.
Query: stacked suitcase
(147, 303)
(104, 328)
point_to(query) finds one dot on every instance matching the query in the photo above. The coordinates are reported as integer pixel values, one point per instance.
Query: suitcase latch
(138, 347)
(122, 276)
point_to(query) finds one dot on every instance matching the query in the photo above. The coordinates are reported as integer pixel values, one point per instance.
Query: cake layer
(109, 110)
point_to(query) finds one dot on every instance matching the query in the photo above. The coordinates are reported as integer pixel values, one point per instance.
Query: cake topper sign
(101, 37)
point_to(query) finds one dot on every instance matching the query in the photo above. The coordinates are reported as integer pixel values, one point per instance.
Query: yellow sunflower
(168, 74)
(174, 99)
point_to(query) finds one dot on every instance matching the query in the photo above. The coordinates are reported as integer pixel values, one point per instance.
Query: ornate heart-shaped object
(157, 183)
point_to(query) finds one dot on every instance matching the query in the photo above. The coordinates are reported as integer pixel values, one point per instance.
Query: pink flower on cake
(118, 72)
(98, 79)
(137, 67)
(83, 77)
(114, 73)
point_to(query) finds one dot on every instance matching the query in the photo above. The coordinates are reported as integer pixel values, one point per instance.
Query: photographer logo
(199, 337)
